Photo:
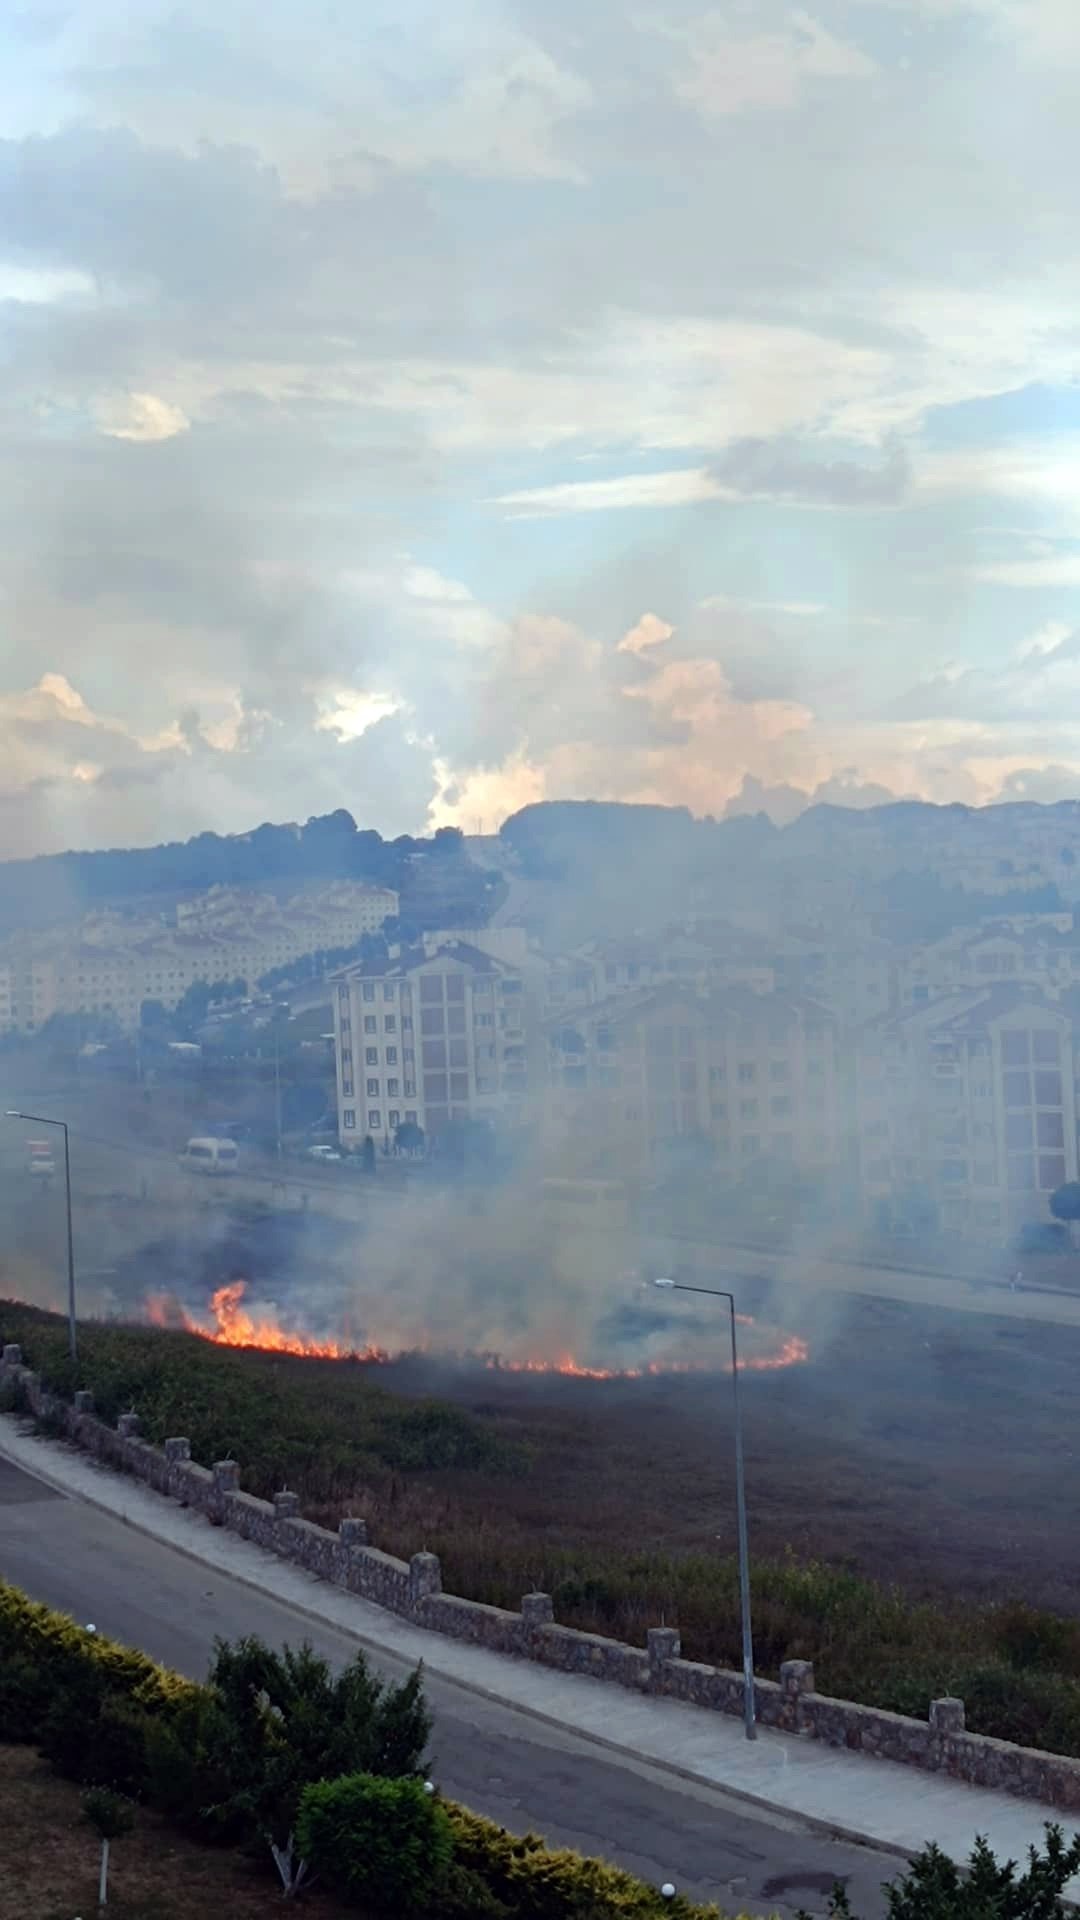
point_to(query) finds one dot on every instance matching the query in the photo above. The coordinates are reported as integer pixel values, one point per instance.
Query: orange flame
(234, 1326)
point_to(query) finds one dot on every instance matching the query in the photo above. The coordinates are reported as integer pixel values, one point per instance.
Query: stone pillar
(352, 1531)
(796, 1680)
(226, 1477)
(177, 1450)
(947, 1715)
(84, 1401)
(663, 1644)
(286, 1505)
(12, 1356)
(128, 1426)
(425, 1577)
(536, 1611)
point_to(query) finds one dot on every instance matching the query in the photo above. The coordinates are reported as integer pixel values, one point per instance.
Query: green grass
(322, 1430)
(464, 1485)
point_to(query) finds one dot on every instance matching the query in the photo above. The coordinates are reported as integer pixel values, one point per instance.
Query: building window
(410, 1116)
(410, 1091)
(371, 1056)
(349, 1117)
(953, 1172)
(392, 1088)
(431, 989)
(780, 1105)
(1044, 1049)
(374, 1120)
(1047, 1089)
(1018, 1132)
(391, 1056)
(394, 1118)
(1021, 1173)
(372, 1089)
(1018, 1089)
(747, 1073)
(371, 1025)
(751, 1144)
(388, 990)
(1014, 1049)
(346, 1088)
(346, 1055)
(1051, 1172)
(390, 1023)
(748, 1109)
(343, 996)
(367, 990)
(779, 1070)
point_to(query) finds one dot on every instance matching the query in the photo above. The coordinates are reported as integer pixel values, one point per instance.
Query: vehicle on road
(324, 1155)
(211, 1157)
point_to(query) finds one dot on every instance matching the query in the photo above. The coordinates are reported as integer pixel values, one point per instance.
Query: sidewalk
(824, 1789)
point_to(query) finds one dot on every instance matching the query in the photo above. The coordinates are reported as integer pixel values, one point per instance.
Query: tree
(1065, 1202)
(111, 1815)
(367, 1154)
(153, 1014)
(278, 1721)
(935, 1888)
(409, 1137)
(385, 1843)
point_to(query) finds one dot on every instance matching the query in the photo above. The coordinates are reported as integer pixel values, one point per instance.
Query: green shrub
(85, 1666)
(105, 1748)
(385, 1841)
(537, 1883)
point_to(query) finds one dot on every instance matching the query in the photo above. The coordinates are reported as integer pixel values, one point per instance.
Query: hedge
(66, 1689)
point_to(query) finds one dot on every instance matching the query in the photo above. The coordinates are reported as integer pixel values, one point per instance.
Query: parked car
(324, 1154)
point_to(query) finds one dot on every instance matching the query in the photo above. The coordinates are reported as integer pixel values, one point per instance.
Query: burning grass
(609, 1498)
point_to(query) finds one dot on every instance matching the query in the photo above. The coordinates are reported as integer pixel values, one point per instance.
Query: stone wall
(413, 1589)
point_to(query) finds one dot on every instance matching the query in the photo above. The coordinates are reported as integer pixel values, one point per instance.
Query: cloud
(728, 72)
(140, 416)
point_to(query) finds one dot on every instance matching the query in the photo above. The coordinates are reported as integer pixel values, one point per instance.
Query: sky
(427, 410)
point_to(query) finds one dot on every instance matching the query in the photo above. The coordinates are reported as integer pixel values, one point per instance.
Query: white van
(212, 1157)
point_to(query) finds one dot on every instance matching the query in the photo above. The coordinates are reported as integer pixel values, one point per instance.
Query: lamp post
(40, 1120)
(717, 1293)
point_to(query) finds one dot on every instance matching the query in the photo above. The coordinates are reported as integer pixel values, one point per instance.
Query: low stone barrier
(940, 1744)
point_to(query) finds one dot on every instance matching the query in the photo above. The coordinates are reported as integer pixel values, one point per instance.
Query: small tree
(367, 1154)
(935, 1888)
(110, 1815)
(385, 1842)
(281, 1720)
(1065, 1202)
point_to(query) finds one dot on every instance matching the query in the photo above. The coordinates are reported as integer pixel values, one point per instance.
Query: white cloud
(140, 416)
(678, 487)
(650, 631)
(730, 72)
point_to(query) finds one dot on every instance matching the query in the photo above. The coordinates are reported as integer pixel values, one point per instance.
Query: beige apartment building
(626, 1077)
(110, 964)
(774, 1080)
(429, 1037)
(969, 1102)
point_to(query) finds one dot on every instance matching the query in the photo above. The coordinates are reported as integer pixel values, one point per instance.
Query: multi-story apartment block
(628, 1075)
(1042, 954)
(967, 1106)
(110, 963)
(429, 1037)
(774, 1077)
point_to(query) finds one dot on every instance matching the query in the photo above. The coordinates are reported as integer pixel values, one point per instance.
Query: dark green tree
(935, 1888)
(1065, 1202)
(367, 1154)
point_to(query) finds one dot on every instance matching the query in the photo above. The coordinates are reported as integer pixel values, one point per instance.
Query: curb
(787, 1816)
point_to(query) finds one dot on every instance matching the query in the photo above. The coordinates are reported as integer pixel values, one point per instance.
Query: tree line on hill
(330, 846)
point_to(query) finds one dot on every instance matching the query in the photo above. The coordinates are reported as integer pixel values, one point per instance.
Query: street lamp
(40, 1120)
(717, 1293)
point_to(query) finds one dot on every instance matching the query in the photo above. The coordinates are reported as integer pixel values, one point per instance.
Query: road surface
(495, 1759)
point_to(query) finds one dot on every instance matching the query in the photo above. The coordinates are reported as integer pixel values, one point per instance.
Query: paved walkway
(827, 1790)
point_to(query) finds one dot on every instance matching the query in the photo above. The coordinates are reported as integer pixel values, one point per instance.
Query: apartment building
(967, 1110)
(774, 1080)
(429, 1037)
(109, 964)
(628, 1075)
(1042, 954)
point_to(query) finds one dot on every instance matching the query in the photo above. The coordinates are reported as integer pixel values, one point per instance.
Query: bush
(536, 1883)
(106, 1748)
(386, 1841)
(84, 1667)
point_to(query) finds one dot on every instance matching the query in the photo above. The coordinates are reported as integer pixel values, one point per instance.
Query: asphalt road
(493, 1758)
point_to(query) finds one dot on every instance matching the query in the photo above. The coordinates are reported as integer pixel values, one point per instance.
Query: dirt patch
(51, 1862)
